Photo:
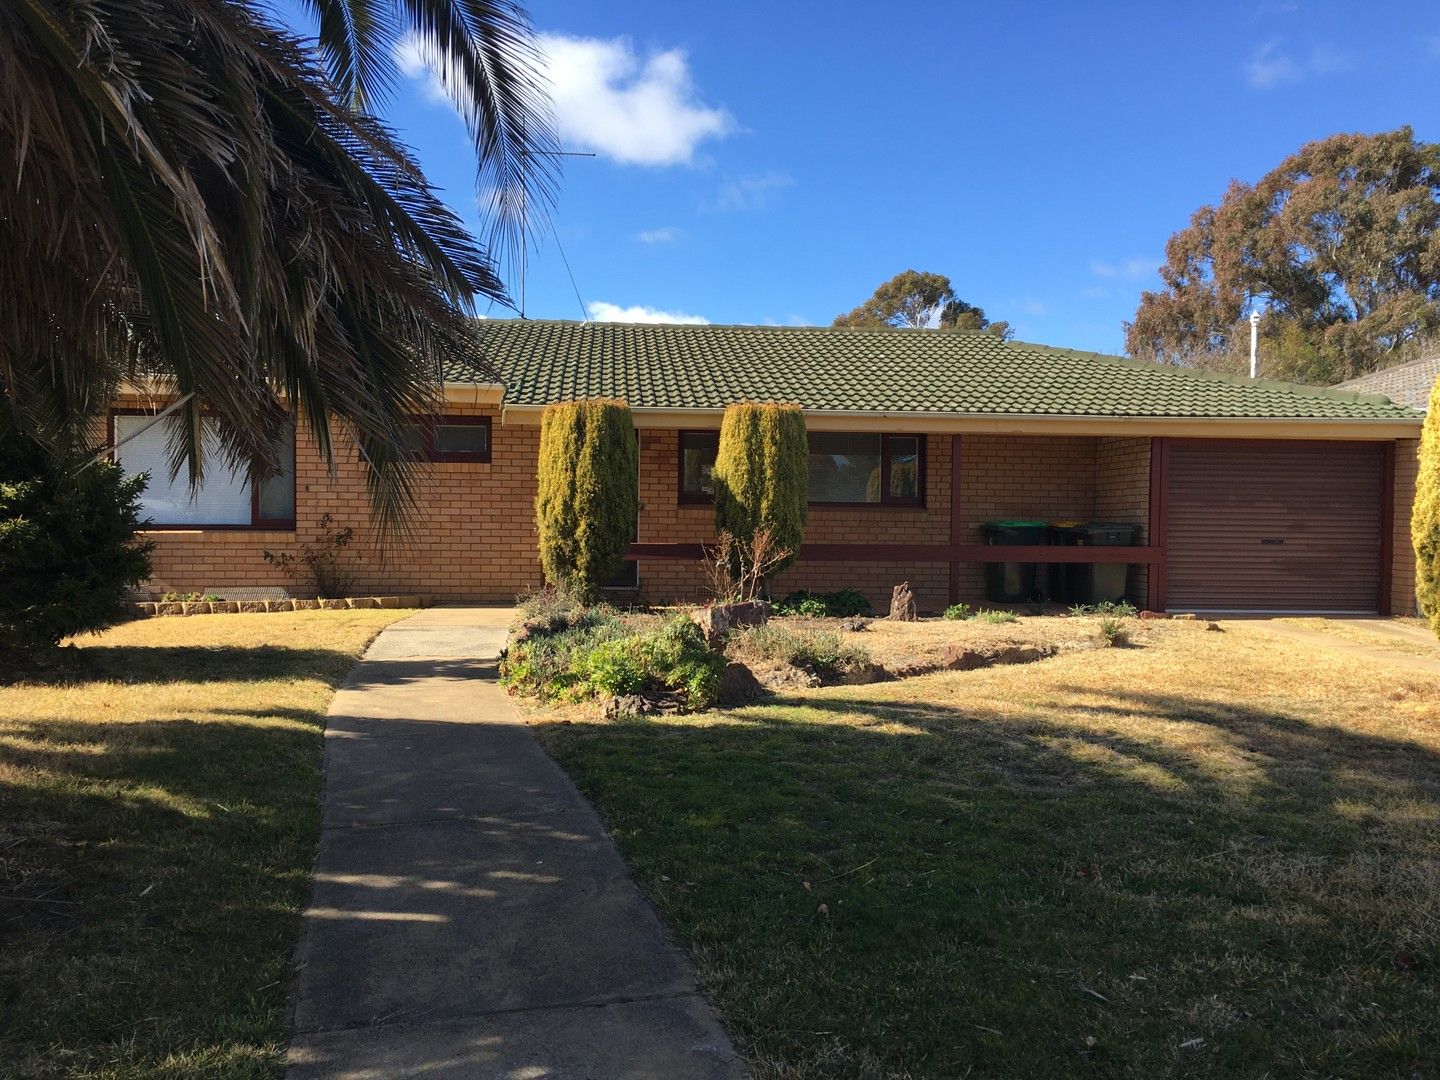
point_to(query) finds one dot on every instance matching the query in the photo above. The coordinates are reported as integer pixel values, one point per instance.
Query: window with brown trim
(697, 465)
(866, 469)
(846, 468)
(226, 499)
(450, 438)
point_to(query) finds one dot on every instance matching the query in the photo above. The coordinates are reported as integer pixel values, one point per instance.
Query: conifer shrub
(761, 475)
(1425, 518)
(588, 492)
(69, 554)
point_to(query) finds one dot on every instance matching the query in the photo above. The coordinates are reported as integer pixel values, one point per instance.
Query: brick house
(1249, 495)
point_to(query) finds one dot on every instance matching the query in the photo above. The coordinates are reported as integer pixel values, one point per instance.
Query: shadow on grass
(152, 871)
(1024, 892)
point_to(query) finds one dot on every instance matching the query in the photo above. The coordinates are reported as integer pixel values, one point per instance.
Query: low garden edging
(150, 609)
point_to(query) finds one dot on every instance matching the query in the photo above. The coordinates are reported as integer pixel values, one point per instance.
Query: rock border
(147, 609)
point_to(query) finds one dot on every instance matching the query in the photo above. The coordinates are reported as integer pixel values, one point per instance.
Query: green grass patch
(1213, 855)
(159, 812)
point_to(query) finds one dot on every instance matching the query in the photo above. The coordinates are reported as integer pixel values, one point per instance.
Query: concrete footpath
(470, 916)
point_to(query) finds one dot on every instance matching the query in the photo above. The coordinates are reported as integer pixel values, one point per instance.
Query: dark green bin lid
(1015, 524)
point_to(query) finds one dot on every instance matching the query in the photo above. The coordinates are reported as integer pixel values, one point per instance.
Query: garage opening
(1274, 527)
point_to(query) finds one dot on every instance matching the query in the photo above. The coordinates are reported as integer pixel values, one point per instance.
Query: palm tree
(192, 193)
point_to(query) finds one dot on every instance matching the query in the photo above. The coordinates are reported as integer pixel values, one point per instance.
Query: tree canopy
(195, 195)
(1340, 246)
(917, 300)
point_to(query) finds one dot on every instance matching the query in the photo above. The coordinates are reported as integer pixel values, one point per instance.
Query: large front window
(845, 468)
(864, 468)
(225, 499)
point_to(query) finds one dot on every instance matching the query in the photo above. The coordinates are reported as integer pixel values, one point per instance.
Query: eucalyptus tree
(194, 193)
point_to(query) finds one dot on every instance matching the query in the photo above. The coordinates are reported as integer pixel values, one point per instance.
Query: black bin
(1090, 583)
(1011, 582)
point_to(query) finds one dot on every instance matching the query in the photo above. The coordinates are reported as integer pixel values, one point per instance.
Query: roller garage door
(1273, 526)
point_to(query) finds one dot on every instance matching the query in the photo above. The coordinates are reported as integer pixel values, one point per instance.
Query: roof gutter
(1208, 427)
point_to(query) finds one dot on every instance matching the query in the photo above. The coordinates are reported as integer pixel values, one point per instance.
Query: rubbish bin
(1092, 583)
(1060, 586)
(1011, 582)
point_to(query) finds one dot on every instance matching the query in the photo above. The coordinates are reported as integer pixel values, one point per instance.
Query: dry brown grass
(159, 811)
(1376, 636)
(1213, 854)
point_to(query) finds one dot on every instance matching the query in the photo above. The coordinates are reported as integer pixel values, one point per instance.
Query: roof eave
(1213, 427)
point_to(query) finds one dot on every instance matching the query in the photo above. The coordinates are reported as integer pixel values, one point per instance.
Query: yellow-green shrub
(588, 492)
(761, 474)
(1425, 520)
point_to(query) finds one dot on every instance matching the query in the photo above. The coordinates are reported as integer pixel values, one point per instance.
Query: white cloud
(1271, 65)
(751, 192)
(604, 311)
(413, 60)
(635, 110)
(1126, 269)
(667, 234)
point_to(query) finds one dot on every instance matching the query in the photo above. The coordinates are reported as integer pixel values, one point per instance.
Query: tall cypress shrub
(588, 492)
(762, 473)
(1425, 519)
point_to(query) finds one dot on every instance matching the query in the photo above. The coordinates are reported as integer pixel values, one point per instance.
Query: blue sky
(775, 162)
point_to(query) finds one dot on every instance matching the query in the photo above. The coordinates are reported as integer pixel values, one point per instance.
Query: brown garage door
(1274, 526)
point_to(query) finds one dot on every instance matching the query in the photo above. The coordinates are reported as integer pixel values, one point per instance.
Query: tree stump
(902, 603)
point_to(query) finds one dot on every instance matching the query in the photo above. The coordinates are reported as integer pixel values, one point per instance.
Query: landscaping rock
(738, 685)
(855, 624)
(225, 607)
(863, 674)
(144, 609)
(196, 607)
(252, 607)
(902, 604)
(280, 605)
(306, 605)
(170, 608)
(331, 604)
(362, 602)
(388, 601)
(408, 601)
(717, 620)
(1148, 614)
(628, 705)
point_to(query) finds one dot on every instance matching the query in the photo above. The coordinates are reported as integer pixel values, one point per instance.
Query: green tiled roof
(917, 371)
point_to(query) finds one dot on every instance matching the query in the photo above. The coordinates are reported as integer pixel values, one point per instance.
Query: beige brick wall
(1122, 493)
(475, 534)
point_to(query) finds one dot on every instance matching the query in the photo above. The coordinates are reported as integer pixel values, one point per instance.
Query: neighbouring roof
(1408, 384)
(888, 371)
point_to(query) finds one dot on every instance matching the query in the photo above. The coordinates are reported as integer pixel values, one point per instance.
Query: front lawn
(1210, 854)
(158, 817)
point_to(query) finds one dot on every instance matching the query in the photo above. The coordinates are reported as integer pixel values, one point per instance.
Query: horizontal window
(866, 469)
(450, 438)
(844, 468)
(226, 498)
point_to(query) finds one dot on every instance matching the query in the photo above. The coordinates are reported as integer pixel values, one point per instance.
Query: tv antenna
(525, 224)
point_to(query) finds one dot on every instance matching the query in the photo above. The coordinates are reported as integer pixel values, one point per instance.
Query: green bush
(1124, 609)
(761, 476)
(997, 616)
(1425, 517)
(69, 555)
(842, 604)
(959, 611)
(591, 652)
(820, 652)
(1112, 629)
(587, 494)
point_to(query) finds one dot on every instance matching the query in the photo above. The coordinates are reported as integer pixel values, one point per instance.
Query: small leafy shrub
(959, 611)
(69, 554)
(1124, 609)
(552, 610)
(820, 652)
(188, 597)
(588, 652)
(841, 604)
(321, 564)
(997, 617)
(1113, 630)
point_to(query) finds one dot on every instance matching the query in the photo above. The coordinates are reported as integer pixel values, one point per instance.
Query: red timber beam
(1159, 524)
(933, 553)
